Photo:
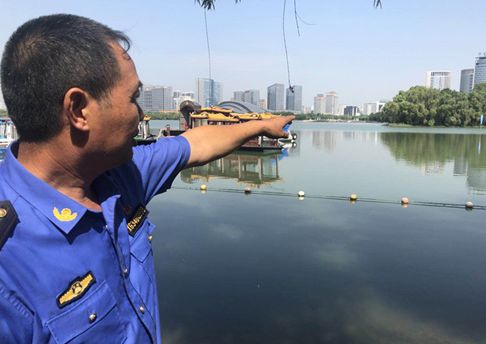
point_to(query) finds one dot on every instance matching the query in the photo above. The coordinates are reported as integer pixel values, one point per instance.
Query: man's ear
(76, 106)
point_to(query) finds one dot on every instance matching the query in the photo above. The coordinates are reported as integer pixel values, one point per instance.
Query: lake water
(270, 268)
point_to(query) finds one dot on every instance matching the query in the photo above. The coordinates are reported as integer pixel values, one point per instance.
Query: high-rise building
(467, 80)
(155, 99)
(175, 96)
(162, 99)
(439, 80)
(238, 96)
(262, 103)
(275, 97)
(183, 97)
(351, 110)
(320, 104)
(251, 96)
(374, 107)
(294, 98)
(332, 103)
(189, 94)
(306, 109)
(208, 92)
(480, 70)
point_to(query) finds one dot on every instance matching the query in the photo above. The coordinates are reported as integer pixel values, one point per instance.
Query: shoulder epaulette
(8, 220)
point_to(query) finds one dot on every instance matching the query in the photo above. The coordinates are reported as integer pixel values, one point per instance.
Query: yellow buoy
(353, 197)
(405, 200)
(469, 205)
(203, 187)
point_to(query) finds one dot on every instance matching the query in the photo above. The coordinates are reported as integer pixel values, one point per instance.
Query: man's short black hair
(47, 56)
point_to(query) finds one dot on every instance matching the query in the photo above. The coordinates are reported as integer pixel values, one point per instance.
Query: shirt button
(92, 317)
(150, 237)
(125, 272)
(142, 309)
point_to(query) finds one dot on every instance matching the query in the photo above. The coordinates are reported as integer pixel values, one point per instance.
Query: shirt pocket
(94, 319)
(141, 244)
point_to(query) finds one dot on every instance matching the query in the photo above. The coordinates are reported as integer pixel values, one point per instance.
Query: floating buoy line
(353, 198)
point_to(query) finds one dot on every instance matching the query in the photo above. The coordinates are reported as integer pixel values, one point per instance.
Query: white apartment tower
(320, 104)
(156, 98)
(332, 103)
(467, 80)
(439, 80)
(238, 96)
(251, 96)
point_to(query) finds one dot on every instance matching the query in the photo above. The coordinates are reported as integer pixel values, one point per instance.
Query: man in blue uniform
(76, 261)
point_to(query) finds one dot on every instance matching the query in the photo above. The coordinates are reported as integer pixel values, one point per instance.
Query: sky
(362, 53)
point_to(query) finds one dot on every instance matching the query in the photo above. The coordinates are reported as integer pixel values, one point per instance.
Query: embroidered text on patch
(136, 220)
(76, 289)
(65, 215)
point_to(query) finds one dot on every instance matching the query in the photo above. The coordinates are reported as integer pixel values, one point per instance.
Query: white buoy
(247, 190)
(203, 187)
(405, 201)
(469, 205)
(301, 194)
(353, 197)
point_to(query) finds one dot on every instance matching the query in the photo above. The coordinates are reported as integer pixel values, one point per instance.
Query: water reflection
(324, 140)
(252, 169)
(327, 140)
(431, 153)
(372, 274)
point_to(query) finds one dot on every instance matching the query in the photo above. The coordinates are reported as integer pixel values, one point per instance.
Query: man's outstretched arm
(212, 142)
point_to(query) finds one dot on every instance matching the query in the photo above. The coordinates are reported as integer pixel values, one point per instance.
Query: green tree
(477, 98)
(430, 107)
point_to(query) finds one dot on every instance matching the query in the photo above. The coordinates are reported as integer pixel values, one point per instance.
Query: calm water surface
(269, 269)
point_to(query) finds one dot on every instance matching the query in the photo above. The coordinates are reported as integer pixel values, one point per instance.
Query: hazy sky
(362, 53)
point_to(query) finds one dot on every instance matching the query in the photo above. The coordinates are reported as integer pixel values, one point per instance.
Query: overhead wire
(207, 42)
(285, 46)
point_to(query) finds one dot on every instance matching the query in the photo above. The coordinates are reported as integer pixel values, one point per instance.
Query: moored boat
(195, 116)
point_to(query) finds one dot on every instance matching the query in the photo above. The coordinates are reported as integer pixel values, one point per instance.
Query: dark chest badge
(77, 288)
(136, 219)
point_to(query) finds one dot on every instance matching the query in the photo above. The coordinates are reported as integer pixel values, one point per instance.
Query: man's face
(118, 116)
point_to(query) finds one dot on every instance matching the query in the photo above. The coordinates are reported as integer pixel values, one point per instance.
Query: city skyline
(328, 104)
(362, 53)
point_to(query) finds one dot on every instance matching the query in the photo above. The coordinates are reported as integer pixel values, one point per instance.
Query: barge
(195, 116)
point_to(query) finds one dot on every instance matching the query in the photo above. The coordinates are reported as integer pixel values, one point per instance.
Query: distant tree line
(430, 107)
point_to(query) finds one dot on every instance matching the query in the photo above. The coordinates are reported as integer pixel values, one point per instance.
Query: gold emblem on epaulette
(76, 289)
(65, 215)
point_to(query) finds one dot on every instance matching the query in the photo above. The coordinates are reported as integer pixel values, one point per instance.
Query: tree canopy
(430, 107)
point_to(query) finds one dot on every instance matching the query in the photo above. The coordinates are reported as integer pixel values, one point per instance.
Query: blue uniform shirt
(70, 274)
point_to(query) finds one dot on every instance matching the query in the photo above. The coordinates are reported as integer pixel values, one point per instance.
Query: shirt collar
(63, 211)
